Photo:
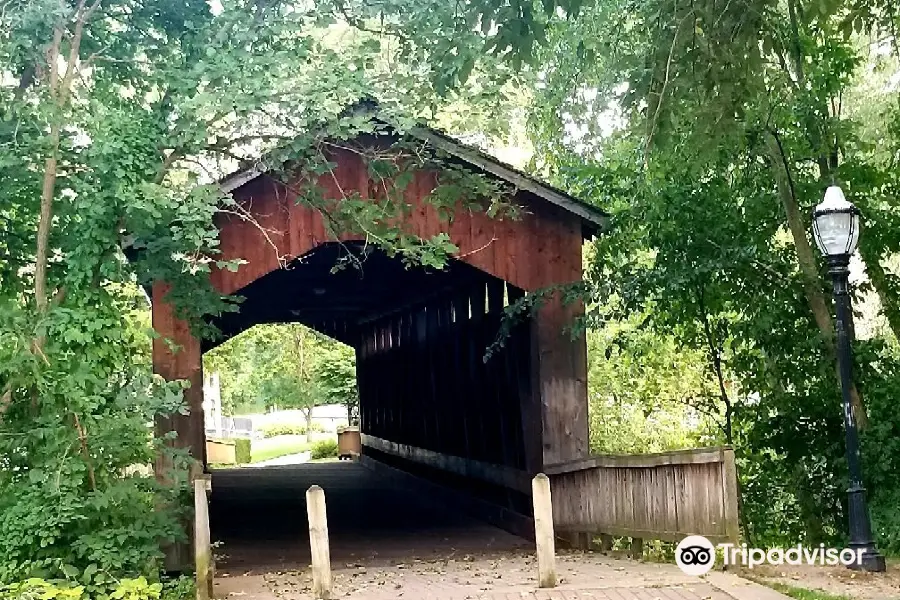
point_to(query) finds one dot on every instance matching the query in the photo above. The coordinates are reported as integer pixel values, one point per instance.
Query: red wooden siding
(542, 248)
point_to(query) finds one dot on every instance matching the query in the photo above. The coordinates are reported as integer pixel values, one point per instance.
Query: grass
(282, 445)
(801, 593)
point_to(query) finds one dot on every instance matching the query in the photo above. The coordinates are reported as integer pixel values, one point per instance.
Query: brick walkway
(698, 592)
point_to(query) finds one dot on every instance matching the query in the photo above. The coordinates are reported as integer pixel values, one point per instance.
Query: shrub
(125, 589)
(270, 431)
(324, 449)
(76, 515)
(137, 589)
(38, 589)
(180, 588)
(241, 451)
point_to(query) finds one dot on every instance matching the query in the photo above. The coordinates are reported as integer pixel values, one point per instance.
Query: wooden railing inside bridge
(665, 496)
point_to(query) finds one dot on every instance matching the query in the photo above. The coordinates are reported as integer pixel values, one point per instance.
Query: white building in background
(326, 416)
(212, 405)
(216, 424)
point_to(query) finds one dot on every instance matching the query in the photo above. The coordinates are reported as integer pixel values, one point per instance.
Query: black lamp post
(836, 229)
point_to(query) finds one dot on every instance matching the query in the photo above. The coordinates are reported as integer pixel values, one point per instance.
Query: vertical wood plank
(562, 387)
(180, 360)
(461, 382)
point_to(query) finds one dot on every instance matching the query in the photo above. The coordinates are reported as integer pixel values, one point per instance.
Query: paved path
(390, 543)
(288, 459)
(500, 577)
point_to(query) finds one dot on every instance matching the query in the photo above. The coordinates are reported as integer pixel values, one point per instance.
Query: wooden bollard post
(202, 540)
(543, 531)
(318, 542)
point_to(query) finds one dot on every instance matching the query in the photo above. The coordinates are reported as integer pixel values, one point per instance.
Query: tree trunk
(307, 412)
(44, 223)
(888, 297)
(809, 270)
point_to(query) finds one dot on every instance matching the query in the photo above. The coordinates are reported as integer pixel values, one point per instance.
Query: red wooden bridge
(429, 402)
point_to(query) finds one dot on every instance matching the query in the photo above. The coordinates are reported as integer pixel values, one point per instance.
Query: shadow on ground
(259, 517)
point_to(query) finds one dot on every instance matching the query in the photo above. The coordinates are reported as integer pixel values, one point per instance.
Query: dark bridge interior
(338, 288)
(439, 369)
(259, 517)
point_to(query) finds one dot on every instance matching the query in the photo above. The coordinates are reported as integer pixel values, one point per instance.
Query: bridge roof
(594, 220)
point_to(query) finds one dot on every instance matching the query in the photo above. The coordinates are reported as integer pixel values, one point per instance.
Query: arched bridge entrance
(430, 403)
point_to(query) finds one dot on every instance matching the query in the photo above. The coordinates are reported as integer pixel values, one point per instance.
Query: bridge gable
(541, 247)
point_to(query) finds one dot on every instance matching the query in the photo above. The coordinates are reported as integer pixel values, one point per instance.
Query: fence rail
(664, 496)
(229, 427)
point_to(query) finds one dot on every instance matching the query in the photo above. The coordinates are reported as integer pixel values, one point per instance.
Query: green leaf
(69, 571)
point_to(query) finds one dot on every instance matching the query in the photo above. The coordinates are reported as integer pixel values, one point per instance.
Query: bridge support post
(177, 355)
(560, 383)
(318, 542)
(543, 531)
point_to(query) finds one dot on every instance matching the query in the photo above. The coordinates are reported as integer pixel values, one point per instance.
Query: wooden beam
(507, 477)
(203, 556)
(730, 496)
(665, 536)
(561, 381)
(695, 456)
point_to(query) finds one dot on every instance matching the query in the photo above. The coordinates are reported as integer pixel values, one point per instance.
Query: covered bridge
(430, 404)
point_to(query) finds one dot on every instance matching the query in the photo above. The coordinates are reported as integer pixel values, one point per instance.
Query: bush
(270, 431)
(137, 589)
(241, 451)
(125, 589)
(324, 449)
(179, 588)
(37, 589)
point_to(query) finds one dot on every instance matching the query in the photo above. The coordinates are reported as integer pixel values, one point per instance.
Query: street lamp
(836, 229)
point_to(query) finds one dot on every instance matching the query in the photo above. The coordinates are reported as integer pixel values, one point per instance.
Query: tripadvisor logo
(696, 555)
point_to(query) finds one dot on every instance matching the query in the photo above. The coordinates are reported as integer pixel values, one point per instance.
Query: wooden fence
(664, 496)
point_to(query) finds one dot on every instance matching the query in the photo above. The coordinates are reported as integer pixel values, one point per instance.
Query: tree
(708, 129)
(641, 387)
(285, 366)
(116, 119)
(336, 373)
